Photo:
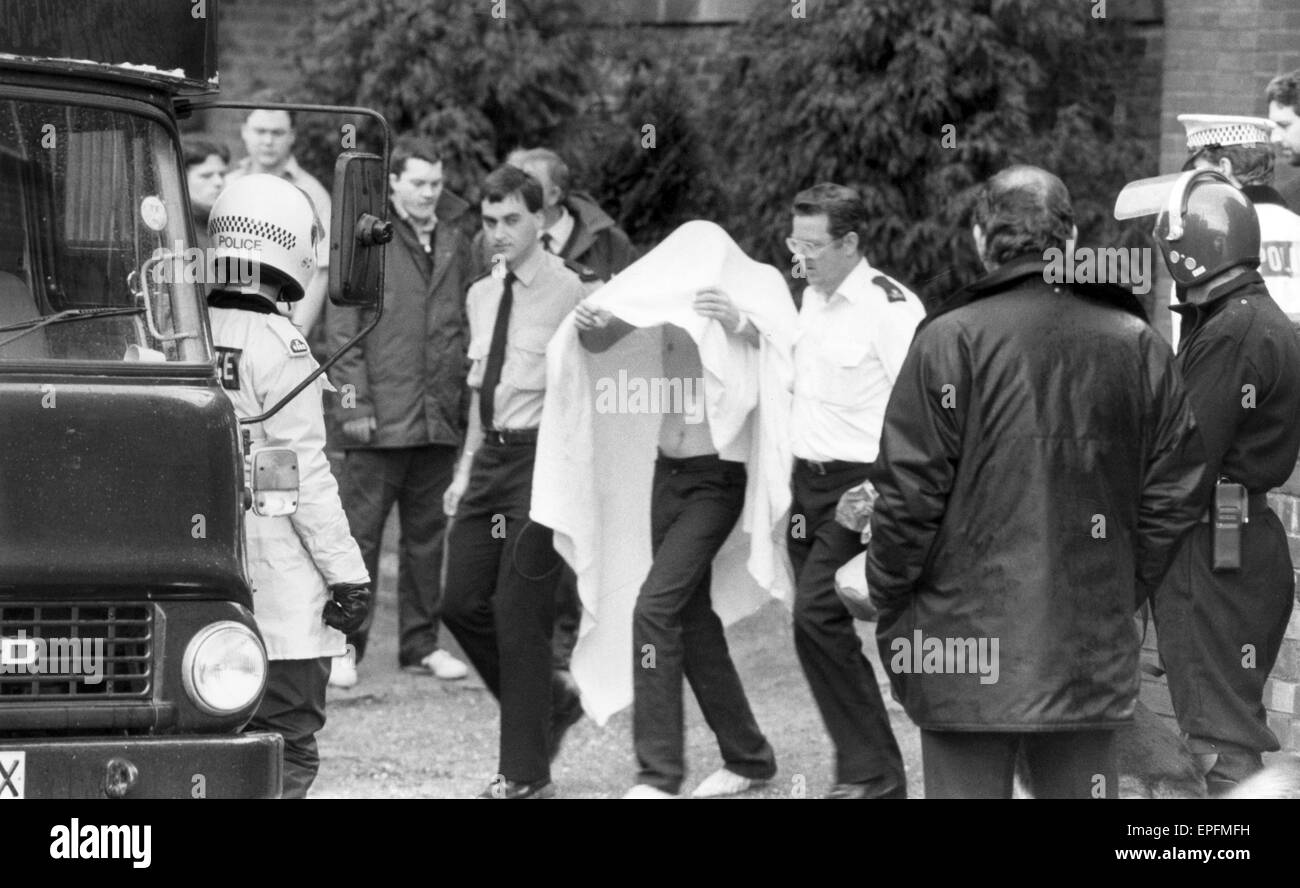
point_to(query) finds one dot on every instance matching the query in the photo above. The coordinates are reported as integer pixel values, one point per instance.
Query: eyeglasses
(807, 250)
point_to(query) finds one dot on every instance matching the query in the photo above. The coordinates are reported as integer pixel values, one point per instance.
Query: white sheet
(593, 476)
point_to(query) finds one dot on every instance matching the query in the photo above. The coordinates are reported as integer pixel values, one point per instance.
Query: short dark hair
(417, 147)
(272, 98)
(842, 206)
(506, 180)
(198, 150)
(1285, 89)
(555, 165)
(1251, 164)
(1022, 210)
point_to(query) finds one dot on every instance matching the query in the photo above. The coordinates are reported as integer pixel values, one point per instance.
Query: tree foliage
(864, 93)
(915, 102)
(477, 83)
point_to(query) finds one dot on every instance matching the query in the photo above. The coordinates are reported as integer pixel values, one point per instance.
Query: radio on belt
(1230, 513)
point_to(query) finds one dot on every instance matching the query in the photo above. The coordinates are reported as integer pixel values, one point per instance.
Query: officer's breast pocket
(528, 359)
(842, 372)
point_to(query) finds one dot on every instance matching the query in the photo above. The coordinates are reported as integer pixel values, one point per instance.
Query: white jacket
(291, 560)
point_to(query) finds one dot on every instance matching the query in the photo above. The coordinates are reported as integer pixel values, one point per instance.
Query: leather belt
(1255, 502)
(829, 466)
(509, 437)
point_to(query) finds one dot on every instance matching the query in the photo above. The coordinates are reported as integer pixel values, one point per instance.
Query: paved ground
(402, 736)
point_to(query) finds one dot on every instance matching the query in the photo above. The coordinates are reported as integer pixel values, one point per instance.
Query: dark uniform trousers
(981, 764)
(415, 478)
(1219, 634)
(294, 707)
(675, 631)
(499, 601)
(830, 652)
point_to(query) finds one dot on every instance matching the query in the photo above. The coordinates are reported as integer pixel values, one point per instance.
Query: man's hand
(718, 305)
(360, 429)
(588, 317)
(451, 499)
(348, 605)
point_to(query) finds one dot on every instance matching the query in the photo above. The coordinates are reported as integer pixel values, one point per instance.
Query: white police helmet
(266, 219)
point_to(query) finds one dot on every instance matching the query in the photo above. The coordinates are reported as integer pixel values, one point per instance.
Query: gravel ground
(401, 736)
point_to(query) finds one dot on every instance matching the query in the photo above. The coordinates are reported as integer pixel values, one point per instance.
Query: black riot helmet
(1206, 227)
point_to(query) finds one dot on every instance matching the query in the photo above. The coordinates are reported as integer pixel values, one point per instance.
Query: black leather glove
(347, 608)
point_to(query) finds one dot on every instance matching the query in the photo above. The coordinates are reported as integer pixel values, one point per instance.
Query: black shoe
(565, 713)
(866, 791)
(502, 788)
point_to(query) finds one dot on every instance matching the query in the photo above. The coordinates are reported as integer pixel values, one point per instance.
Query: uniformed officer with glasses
(855, 326)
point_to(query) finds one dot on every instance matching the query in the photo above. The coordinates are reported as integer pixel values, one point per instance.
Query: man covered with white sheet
(709, 345)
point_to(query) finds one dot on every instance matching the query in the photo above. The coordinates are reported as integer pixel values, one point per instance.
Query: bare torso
(684, 430)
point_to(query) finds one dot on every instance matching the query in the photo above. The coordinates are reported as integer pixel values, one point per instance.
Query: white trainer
(646, 791)
(343, 669)
(723, 783)
(444, 666)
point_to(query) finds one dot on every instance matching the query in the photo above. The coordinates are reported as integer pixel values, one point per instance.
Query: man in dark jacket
(1036, 466)
(400, 405)
(1221, 624)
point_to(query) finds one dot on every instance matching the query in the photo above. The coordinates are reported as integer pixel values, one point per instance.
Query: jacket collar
(240, 301)
(1200, 311)
(588, 221)
(1026, 269)
(1263, 194)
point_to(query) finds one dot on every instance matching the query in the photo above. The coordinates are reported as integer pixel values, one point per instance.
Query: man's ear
(852, 243)
(1225, 167)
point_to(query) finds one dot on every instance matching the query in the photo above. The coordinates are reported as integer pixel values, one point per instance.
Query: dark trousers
(1219, 635)
(568, 619)
(499, 601)
(294, 707)
(414, 478)
(676, 633)
(830, 652)
(980, 765)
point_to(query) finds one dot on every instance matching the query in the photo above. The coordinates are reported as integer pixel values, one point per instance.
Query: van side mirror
(273, 476)
(358, 231)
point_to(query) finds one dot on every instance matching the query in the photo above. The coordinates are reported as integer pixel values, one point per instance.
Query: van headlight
(224, 668)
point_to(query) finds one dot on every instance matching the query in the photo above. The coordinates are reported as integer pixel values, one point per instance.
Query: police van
(129, 657)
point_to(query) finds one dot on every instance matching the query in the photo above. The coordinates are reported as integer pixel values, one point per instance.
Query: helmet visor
(1145, 197)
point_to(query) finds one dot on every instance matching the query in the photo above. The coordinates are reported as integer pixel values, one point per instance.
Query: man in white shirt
(855, 326)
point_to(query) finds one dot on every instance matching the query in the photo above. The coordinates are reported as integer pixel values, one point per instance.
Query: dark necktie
(496, 354)
(547, 240)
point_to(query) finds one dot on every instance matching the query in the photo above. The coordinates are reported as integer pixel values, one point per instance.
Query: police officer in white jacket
(310, 585)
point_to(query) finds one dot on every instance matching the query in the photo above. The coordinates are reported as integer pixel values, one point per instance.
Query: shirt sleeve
(894, 328)
(320, 522)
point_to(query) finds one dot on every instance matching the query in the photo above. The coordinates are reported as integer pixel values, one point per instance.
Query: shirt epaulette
(294, 343)
(585, 274)
(891, 290)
